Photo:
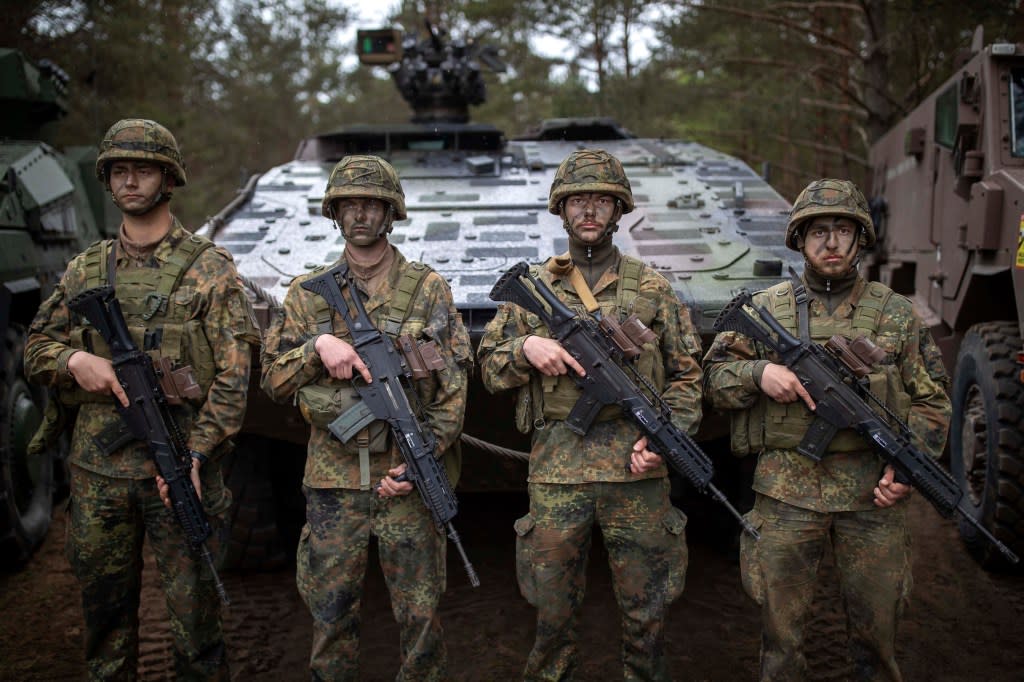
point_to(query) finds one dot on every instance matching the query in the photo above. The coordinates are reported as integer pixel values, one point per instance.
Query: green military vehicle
(948, 201)
(477, 204)
(50, 209)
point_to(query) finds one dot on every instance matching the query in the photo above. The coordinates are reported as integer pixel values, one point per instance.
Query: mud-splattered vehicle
(51, 208)
(948, 202)
(477, 205)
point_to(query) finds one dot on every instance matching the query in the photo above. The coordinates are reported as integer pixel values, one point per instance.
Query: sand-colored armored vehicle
(477, 205)
(50, 209)
(948, 200)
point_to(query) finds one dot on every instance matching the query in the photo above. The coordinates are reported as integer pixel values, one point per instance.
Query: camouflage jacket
(218, 333)
(290, 362)
(843, 480)
(557, 454)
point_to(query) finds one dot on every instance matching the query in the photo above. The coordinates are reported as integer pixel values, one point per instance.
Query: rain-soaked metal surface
(705, 220)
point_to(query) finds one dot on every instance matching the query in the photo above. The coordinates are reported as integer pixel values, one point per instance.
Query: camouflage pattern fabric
(802, 505)
(558, 455)
(114, 502)
(364, 177)
(331, 566)
(577, 482)
(844, 481)
(590, 170)
(217, 306)
(840, 198)
(872, 553)
(140, 139)
(332, 553)
(290, 361)
(646, 542)
(108, 518)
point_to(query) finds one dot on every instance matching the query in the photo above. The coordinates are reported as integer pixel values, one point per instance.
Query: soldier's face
(136, 185)
(588, 215)
(831, 245)
(361, 219)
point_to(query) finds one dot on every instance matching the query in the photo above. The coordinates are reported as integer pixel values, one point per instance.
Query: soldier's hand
(548, 356)
(340, 359)
(782, 386)
(96, 375)
(889, 492)
(165, 490)
(389, 487)
(641, 459)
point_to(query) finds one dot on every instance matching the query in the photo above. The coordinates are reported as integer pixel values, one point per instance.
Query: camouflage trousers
(331, 567)
(780, 572)
(108, 520)
(646, 542)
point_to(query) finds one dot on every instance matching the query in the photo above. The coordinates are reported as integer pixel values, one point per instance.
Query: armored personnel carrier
(51, 208)
(476, 205)
(948, 199)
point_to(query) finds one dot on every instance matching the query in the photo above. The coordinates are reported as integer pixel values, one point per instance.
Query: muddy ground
(963, 623)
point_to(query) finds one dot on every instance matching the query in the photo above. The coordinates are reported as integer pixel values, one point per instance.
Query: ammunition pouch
(58, 418)
(321, 405)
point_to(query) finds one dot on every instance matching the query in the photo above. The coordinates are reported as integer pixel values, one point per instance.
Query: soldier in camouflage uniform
(607, 477)
(847, 500)
(182, 300)
(308, 355)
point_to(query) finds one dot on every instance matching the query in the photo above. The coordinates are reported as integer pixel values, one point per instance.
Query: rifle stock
(149, 419)
(386, 399)
(606, 383)
(841, 402)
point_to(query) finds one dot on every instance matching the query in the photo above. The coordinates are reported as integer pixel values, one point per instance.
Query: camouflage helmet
(142, 140)
(590, 170)
(367, 177)
(839, 198)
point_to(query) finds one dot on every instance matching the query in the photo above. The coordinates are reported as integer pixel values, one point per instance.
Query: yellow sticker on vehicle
(1020, 244)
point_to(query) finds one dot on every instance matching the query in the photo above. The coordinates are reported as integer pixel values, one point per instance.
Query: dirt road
(963, 624)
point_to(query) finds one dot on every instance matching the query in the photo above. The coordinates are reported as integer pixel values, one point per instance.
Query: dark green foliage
(802, 86)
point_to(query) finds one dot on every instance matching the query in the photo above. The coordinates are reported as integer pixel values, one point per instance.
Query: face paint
(590, 218)
(362, 220)
(830, 245)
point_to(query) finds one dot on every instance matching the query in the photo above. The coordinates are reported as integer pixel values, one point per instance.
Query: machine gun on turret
(439, 78)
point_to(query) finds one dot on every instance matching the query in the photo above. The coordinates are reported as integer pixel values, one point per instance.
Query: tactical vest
(552, 398)
(157, 313)
(776, 426)
(324, 400)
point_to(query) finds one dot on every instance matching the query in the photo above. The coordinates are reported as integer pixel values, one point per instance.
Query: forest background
(798, 90)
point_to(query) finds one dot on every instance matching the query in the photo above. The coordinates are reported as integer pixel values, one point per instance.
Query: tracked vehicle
(948, 199)
(477, 205)
(51, 208)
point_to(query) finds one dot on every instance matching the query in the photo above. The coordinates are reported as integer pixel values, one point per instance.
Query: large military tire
(266, 508)
(26, 483)
(987, 439)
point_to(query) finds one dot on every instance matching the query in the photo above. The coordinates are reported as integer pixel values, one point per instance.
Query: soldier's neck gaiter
(593, 259)
(831, 291)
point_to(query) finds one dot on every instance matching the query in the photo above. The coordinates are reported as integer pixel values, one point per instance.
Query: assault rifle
(835, 381)
(594, 346)
(149, 419)
(385, 398)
